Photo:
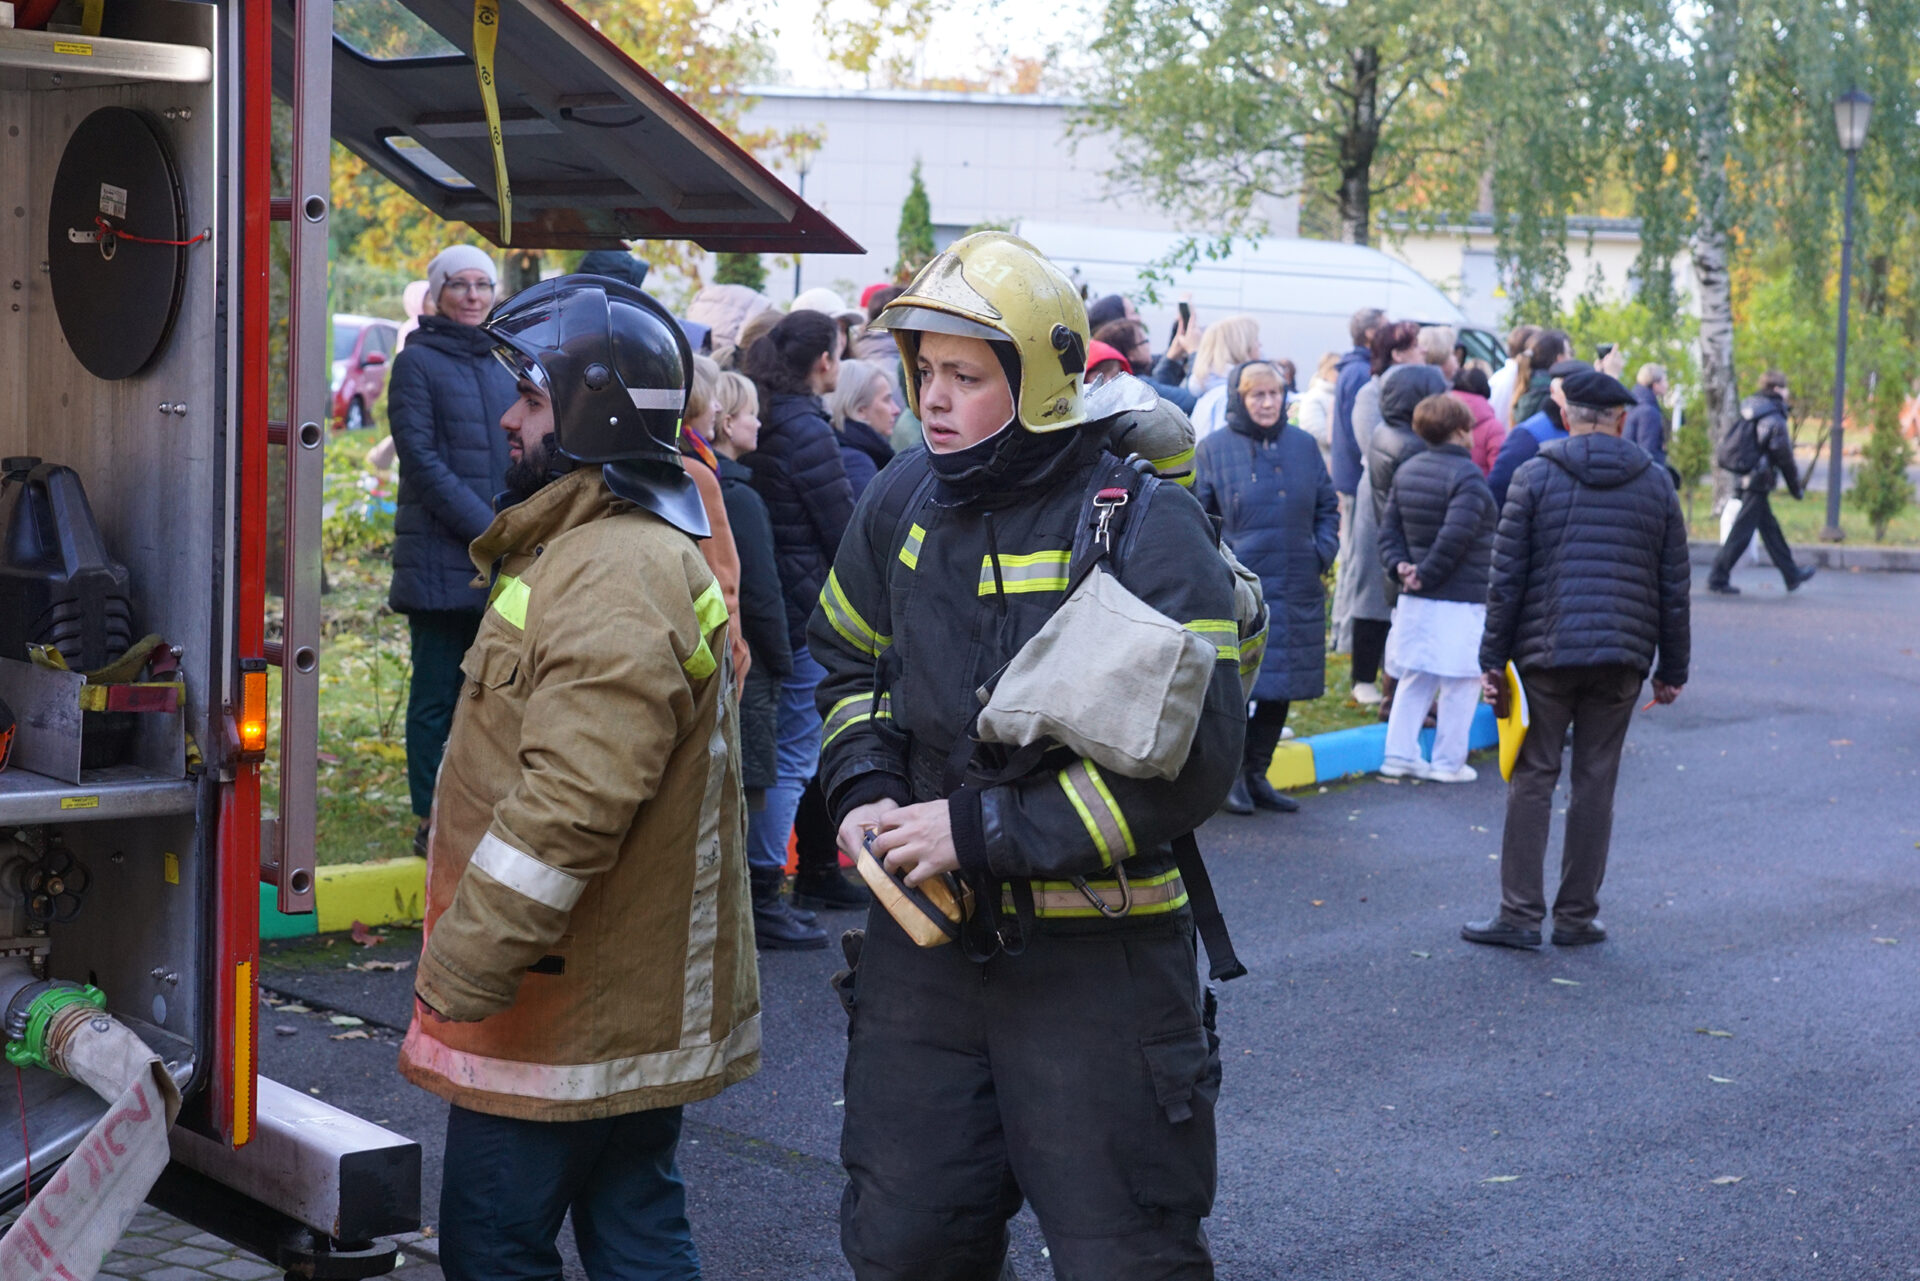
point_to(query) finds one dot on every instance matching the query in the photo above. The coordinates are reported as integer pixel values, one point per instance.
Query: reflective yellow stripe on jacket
(852, 711)
(1151, 896)
(1029, 572)
(509, 600)
(847, 621)
(711, 610)
(1087, 791)
(1222, 633)
(910, 550)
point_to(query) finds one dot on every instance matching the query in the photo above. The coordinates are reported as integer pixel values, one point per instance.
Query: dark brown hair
(1391, 336)
(1123, 335)
(881, 299)
(1437, 418)
(1773, 380)
(780, 360)
(1548, 348)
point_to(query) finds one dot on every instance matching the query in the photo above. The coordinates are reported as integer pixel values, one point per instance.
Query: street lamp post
(802, 151)
(1850, 112)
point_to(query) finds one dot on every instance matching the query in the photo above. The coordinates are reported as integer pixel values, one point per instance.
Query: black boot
(1265, 797)
(1238, 801)
(774, 926)
(828, 889)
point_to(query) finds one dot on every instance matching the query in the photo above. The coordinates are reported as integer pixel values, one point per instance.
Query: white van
(1302, 291)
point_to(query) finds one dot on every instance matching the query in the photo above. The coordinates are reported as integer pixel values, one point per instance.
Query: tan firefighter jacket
(588, 925)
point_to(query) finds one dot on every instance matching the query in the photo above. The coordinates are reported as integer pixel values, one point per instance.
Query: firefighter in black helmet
(588, 966)
(1062, 1051)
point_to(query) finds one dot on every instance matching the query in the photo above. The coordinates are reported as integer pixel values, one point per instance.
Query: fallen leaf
(295, 1008)
(366, 937)
(1886, 940)
(1566, 982)
(1712, 1031)
(1728, 1178)
(1839, 742)
(370, 966)
(1719, 1080)
(345, 1020)
(1424, 955)
(284, 1030)
(313, 1089)
(358, 1034)
(1319, 902)
(1502, 1178)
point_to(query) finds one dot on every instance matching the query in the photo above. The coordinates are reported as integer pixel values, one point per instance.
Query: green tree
(1881, 487)
(915, 239)
(740, 269)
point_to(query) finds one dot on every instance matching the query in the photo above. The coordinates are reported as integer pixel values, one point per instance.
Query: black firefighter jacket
(914, 619)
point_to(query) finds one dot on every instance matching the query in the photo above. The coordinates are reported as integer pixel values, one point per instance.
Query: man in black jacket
(1590, 583)
(1767, 456)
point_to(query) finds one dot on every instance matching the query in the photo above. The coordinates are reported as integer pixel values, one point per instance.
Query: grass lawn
(364, 811)
(1803, 521)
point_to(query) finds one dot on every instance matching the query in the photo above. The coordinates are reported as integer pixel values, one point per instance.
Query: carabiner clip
(1106, 502)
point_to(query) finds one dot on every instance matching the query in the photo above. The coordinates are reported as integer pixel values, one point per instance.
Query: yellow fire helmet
(997, 287)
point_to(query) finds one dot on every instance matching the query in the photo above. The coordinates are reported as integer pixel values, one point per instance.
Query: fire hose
(69, 1226)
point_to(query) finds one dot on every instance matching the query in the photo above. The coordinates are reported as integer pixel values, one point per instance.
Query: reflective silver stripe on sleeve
(524, 874)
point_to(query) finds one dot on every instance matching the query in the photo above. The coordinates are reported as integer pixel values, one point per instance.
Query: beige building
(985, 158)
(1459, 258)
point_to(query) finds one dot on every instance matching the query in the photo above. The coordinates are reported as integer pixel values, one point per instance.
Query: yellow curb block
(1292, 766)
(388, 892)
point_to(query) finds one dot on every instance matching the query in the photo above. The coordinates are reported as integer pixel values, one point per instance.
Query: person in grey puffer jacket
(445, 398)
(1589, 593)
(1436, 542)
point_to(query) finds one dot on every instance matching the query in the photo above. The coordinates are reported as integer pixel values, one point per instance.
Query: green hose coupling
(29, 1048)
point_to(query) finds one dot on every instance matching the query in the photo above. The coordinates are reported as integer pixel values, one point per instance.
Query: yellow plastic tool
(1513, 726)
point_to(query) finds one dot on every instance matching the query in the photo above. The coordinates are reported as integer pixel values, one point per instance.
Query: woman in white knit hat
(444, 402)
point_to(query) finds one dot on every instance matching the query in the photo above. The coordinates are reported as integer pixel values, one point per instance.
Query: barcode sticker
(113, 200)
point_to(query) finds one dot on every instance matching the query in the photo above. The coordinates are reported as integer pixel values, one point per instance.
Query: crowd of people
(856, 525)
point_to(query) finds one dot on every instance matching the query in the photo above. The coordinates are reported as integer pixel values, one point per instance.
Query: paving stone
(142, 1245)
(175, 1272)
(244, 1268)
(175, 1230)
(192, 1256)
(132, 1266)
(208, 1241)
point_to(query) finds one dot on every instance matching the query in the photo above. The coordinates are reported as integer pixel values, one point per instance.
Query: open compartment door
(597, 150)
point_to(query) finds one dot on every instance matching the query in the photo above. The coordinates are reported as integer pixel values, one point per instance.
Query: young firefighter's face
(528, 422)
(964, 397)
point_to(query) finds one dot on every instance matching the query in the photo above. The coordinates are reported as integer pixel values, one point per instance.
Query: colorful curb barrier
(1322, 758)
(394, 891)
(388, 892)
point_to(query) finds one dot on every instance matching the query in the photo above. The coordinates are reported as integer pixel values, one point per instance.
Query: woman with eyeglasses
(444, 401)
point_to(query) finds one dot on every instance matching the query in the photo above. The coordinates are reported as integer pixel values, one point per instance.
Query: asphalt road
(1726, 1088)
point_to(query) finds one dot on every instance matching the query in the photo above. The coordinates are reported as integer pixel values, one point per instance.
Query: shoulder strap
(899, 500)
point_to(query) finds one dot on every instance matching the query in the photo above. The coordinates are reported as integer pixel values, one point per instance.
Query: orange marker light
(253, 706)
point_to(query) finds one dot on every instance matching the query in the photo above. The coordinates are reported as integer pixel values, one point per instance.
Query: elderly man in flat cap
(1589, 595)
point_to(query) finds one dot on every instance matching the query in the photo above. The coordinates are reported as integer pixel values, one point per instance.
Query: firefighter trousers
(1079, 1076)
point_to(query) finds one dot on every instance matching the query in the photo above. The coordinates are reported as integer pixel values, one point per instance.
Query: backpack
(1739, 449)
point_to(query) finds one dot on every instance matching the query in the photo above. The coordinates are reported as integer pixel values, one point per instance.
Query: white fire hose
(67, 1229)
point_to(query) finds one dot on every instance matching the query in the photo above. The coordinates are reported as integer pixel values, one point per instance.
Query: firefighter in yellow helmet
(1060, 1048)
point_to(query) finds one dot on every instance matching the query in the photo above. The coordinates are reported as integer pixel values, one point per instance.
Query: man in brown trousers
(1589, 594)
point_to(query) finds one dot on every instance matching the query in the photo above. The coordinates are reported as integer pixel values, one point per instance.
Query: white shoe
(1286, 732)
(1465, 774)
(1367, 694)
(1395, 767)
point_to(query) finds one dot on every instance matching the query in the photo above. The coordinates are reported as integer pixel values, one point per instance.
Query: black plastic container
(59, 587)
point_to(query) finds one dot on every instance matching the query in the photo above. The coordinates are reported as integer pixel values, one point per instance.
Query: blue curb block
(1343, 753)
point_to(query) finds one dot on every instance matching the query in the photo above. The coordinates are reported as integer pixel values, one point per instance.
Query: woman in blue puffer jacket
(444, 401)
(1269, 486)
(798, 471)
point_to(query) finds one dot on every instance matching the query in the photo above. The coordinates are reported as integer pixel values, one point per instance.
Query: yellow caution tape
(486, 30)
